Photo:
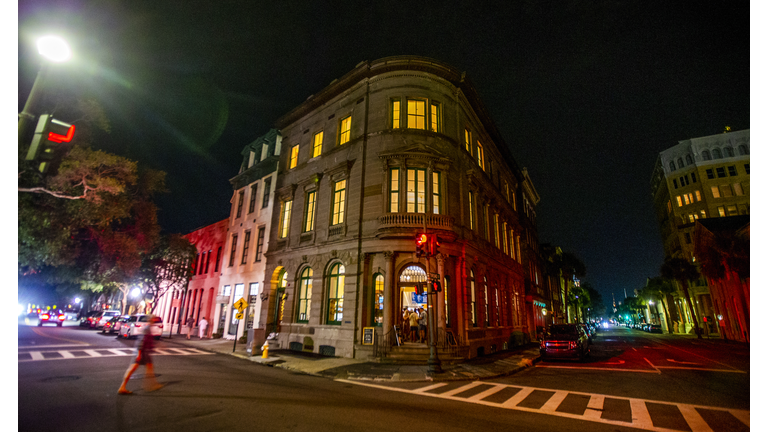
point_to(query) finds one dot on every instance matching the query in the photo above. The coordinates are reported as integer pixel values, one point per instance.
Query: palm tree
(571, 266)
(662, 288)
(682, 271)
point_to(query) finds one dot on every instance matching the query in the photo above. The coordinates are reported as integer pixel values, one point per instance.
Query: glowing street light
(136, 292)
(54, 49)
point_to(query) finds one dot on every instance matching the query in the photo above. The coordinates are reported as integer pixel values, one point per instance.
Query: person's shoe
(124, 392)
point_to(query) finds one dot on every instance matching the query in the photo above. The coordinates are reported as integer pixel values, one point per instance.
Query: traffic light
(433, 245)
(49, 133)
(422, 245)
(436, 286)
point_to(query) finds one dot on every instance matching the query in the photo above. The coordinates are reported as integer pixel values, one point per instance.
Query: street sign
(434, 277)
(240, 305)
(239, 315)
(368, 335)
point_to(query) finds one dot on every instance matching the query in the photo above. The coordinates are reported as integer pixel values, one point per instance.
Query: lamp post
(53, 49)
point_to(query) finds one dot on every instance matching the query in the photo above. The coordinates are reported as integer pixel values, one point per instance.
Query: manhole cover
(61, 378)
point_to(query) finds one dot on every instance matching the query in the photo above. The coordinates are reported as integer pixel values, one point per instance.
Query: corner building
(392, 148)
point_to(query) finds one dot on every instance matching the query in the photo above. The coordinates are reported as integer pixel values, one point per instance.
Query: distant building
(394, 147)
(699, 178)
(248, 226)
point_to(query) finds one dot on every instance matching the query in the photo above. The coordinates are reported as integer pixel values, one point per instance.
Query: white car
(137, 325)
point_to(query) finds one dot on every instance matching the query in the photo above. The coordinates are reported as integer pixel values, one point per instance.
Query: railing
(446, 341)
(384, 344)
(415, 220)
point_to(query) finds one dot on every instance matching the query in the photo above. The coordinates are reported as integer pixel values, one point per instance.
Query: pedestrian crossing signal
(49, 134)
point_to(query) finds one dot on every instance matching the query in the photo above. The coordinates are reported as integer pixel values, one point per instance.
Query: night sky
(585, 93)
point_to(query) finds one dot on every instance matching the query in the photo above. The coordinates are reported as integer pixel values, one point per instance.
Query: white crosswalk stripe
(30, 356)
(638, 415)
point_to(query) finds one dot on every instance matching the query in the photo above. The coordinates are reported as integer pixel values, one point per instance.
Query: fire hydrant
(265, 350)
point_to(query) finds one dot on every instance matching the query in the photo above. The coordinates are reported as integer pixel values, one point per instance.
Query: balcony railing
(415, 220)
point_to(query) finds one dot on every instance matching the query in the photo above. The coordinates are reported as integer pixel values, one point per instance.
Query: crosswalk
(58, 354)
(620, 411)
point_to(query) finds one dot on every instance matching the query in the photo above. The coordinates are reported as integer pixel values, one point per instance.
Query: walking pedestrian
(143, 357)
(190, 326)
(203, 326)
(413, 319)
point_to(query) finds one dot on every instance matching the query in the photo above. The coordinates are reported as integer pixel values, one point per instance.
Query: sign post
(240, 305)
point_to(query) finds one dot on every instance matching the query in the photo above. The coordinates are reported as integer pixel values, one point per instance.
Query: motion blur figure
(143, 357)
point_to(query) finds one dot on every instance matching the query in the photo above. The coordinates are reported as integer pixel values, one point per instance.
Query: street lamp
(54, 50)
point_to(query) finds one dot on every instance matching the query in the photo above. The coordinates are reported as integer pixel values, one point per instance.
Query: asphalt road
(68, 379)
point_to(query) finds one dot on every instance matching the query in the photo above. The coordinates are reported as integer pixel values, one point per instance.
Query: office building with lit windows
(395, 147)
(698, 178)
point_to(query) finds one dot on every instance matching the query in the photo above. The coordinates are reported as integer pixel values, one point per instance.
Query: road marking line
(36, 355)
(486, 393)
(594, 409)
(693, 418)
(198, 351)
(597, 368)
(697, 355)
(159, 351)
(66, 354)
(682, 362)
(462, 389)
(654, 367)
(118, 352)
(554, 402)
(516, 399)
(430, 387)
(640, 416)
(93, 353)
(701, 369)
(742, 415)
(37, 347)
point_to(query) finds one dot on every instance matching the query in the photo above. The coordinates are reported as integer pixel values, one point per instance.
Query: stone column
(441, 295)
(389, 292)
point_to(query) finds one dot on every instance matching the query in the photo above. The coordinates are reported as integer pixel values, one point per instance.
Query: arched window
(688, 159)
(680, 162)
(716, 154)
(305, 295)
(671, 165)
(335, 295)
(378, 300)
(705, 155)
(743, 150)
(728, 152)
(472, 298)
(485, 301)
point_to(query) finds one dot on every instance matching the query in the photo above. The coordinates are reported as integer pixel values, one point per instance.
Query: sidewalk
(489, 366)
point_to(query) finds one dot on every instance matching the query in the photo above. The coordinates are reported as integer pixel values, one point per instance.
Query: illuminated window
(437, 201)
(305, 295)
(434, 117)
(512, 246)
(468, 141)
(336, 295)
(285, 219)
(471, 210)
(506, 190)
(679, 201)
(732, 211)
(240, 198)
(698, 195)
(233, 250)
(472, 299)
(703, 213)
(294, 157)
(345, 127)
(417, 114)
(669, 206)
(506, 243)
(480, 157)
(416, 191)
(378, 300)
(496, 238)
(394, 190)
(485, 301)
(309, 212)
(737, 189)
(396, 114)
(339, 197)
(317, 144)
(685, 199)
(246, 246)
(252, 203)
(715, 192)
(721, 211)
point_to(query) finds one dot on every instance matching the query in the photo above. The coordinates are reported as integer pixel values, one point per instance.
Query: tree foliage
(168, 267)
(682, 271)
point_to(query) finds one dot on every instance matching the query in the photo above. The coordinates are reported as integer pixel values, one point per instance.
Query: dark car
(564, 341)
(86, 320)
(113, 325)
(654, 328)
(51, 317)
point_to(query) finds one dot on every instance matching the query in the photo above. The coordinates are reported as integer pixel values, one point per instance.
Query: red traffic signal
(436, 286)
(49, 133)
(421, 244)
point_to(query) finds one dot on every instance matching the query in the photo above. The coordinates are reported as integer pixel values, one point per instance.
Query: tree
(661, 289)
(571, 267)
(682, 271)
(167, 268)
(634, 305)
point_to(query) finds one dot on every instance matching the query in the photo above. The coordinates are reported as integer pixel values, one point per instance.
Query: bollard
(265, 350)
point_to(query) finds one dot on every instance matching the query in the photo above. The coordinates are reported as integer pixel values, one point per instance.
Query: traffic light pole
(28, 114)
(433, 363)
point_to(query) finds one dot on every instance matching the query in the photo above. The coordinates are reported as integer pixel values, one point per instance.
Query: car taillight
(44, 316)
(137, 325)
(61, 317)
(572, 344)
(543, 345)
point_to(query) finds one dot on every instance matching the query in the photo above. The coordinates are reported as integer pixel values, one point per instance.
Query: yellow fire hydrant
(265, 350)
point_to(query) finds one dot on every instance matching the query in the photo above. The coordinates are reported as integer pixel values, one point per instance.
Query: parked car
(103, 318)
(114, 324)
(135, 325)
(51, 317)
(87, 319)
(565, 340)
(654, 328)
